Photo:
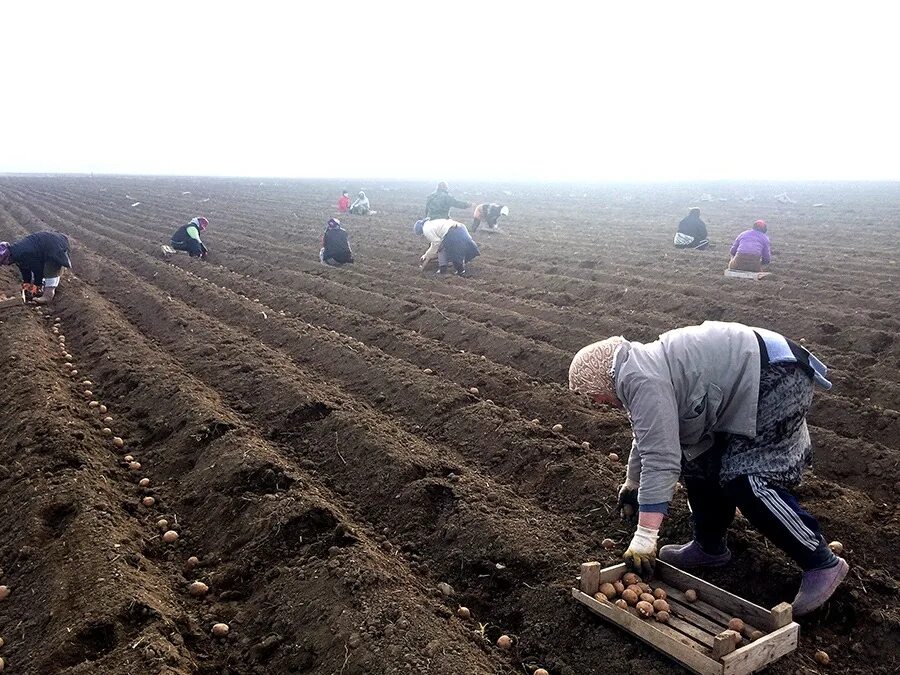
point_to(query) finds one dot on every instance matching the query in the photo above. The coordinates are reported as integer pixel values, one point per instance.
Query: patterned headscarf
(591, 369)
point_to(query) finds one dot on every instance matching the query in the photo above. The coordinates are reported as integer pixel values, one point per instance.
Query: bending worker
(490, 214)
(40, 258)
(692, 232)
(335, 245)
(723, 406)
(187, 238)
(450, 242)
(752, 249)
(439, 203)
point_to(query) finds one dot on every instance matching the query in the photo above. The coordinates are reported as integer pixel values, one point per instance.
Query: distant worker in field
(752, 249)
(335, 245)
(450, 242)
(360, 206)
(187, 238)
(722, 406)
(440, 202)
(40, 258)
(344, 202)
(692, 232)
(490, 214)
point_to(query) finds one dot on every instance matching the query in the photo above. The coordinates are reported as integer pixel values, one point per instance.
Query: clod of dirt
(220, 629)
(613, 457)
(690, 595)
(504, 642)
(836, 547)
(148, 501)
(445, 589)
(4, 592)
(170, 536)
(822, 658)
(198, 589)
(557, 428)
(118, 442)
(473, 391)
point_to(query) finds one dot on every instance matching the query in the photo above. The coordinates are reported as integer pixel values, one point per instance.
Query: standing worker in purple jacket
(751, 250)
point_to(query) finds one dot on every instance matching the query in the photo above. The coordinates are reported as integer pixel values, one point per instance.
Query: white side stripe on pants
(783, 513)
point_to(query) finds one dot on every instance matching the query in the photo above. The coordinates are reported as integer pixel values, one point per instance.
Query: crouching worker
(187, 238)
(692, 232)
(335, 245)
(40, 258)
(450, 242)
(752, 249)
(490, 214)
(723, 406)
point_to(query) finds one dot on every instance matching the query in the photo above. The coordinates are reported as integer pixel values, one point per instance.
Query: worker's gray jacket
(680, 389)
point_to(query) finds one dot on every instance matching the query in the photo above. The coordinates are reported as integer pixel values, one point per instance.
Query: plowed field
(313, 435)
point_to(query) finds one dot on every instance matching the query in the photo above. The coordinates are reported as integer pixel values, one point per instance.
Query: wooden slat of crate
(703, 608)
(752, 614)
(762, 652)
(689, 653)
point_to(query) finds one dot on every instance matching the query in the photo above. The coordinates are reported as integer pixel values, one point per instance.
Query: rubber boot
(691, 555)
(817, 586)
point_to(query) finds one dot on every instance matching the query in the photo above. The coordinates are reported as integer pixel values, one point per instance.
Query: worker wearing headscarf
(450, 242)
(723, 406)
(691, 232)
(752, 249)
(360, 206)
(40, 258)
(187, 238)
(335, 245)
(439, 203)
(490, 214)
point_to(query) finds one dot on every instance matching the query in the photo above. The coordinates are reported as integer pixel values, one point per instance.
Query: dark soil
(328, 483)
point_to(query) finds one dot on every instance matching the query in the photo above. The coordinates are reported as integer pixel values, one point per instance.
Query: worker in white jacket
(449, 241)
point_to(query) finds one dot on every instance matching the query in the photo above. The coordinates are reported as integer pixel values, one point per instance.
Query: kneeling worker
(40, 258)
(335, 245)
(187, 238)
(692, 232)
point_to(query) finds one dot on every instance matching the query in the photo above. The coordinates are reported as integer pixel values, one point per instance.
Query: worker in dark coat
(40, 258)
(187, 238)
(335, 245)
(439, 203)
(692, 232)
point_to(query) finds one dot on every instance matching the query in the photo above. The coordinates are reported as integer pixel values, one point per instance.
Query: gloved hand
(627, 505)
(641, 553)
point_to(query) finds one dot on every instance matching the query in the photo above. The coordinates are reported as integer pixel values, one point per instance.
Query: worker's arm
(458, 204)
(194, 233)
(431, 253)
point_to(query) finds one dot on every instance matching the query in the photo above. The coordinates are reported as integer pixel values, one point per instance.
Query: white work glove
(641, 553)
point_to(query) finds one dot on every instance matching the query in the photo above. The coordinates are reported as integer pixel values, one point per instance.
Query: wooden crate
(691, 637)
(738, 274)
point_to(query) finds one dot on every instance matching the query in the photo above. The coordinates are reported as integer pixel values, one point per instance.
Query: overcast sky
(457, 90)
